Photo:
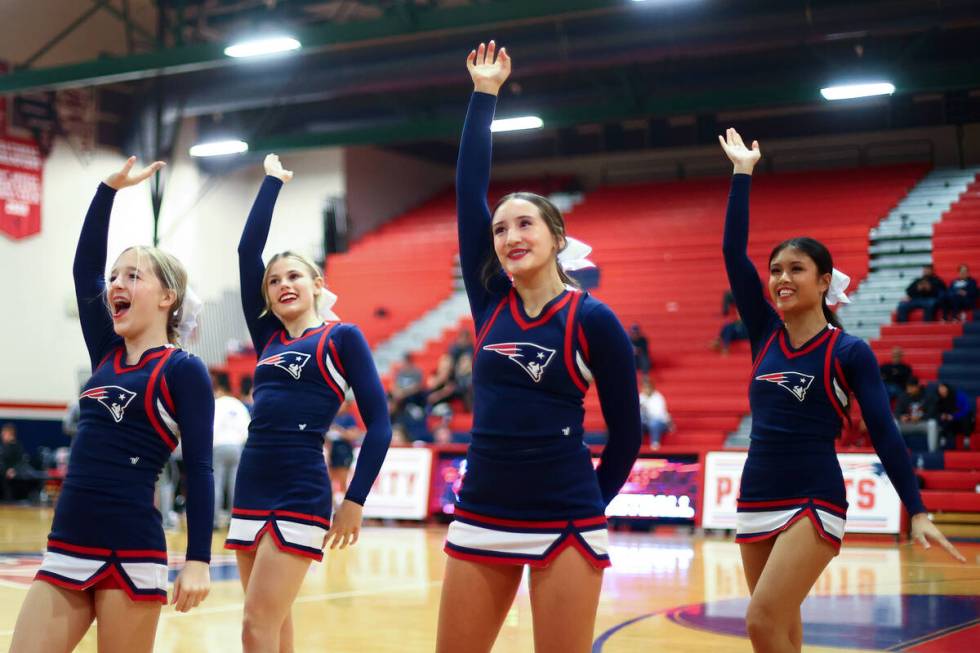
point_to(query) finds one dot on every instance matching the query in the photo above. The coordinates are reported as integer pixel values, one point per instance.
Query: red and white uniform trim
(291, 532)
(141, 574)
(759, 520)
(492, 540)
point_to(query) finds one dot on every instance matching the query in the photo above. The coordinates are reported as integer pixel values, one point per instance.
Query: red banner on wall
(21, 168)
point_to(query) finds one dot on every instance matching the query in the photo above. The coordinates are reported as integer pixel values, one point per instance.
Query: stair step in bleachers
(950, 480)
(946, 501)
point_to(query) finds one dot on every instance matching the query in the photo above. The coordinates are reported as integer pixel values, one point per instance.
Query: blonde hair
(172, 276)
(314, 271)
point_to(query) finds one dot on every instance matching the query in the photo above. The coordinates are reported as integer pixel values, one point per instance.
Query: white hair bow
(574, 255)
(838, 284)
(189, 311)
(327, 300)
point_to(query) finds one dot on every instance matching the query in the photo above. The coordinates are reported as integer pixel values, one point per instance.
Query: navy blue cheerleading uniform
(529, 489)
(799, 398)
(282, 486)
(106, 531)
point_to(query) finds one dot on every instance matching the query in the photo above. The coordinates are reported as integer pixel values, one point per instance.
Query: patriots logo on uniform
(114, 398)
(796, 382)
(532, 358)
(291, 361)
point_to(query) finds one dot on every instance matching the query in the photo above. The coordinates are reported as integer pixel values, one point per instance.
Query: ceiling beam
(428, 23)
(657, 102)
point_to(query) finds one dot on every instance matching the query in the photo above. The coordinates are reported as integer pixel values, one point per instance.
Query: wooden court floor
(670, 592)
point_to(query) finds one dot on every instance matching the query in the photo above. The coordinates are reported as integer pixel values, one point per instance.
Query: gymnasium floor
(670, 592)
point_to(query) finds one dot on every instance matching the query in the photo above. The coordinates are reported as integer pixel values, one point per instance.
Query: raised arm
(250, 266)
(861, 370)
(90, 260)
(746, 286)
(473, 178)
(613, 368)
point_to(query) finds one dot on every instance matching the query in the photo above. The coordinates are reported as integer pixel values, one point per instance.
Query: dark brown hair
(553, 220)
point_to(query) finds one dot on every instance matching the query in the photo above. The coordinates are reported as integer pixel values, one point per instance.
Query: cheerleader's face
(291, 289)
(137, 300)
(521, 239)
(794, 282)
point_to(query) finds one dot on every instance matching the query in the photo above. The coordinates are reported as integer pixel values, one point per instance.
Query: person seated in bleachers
(727, 301)
(895, 374)
(731, 332)
(407, 400)
(927, 292)
(653, 411)
(462, 345)
(961, 297)
(641, 349)
(915, 410)
(442, 382)
(953, 411)
(464, 381)
(17, 478)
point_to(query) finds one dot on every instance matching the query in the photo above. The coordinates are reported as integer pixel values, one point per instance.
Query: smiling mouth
(119, 308)
(517, 254)
(783, 293)
(288, 298)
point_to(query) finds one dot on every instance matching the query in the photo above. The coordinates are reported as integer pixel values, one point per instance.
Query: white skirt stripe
(77, 569)
(146, 575)
(488, 539)
(244, 530)
(767, 521)
(470, 536)
(598, 540)
(747, 523)
(306, 535)
(143, 575)
(831, 523)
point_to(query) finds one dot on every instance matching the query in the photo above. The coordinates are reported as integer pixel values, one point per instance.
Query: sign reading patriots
(532, 358)
(114, 398)
(796, 383)
(290, 361)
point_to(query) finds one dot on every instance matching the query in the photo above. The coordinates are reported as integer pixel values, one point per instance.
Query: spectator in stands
(962, 296)
(442, 382)
(231, 420)
(927, 292)
(19, 479)
(641, 349)
(914, 409)
(464, 380)
(727, 300)
(407, 405)
(731, 332)
(342, 437)
(953, 412)
(896, 373)
(462, 345)
(653, 410)
(12, 460)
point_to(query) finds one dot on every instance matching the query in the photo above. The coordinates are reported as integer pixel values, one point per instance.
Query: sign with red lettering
(873, 504)
(20, 180)
(20, 187)
(401, 490)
